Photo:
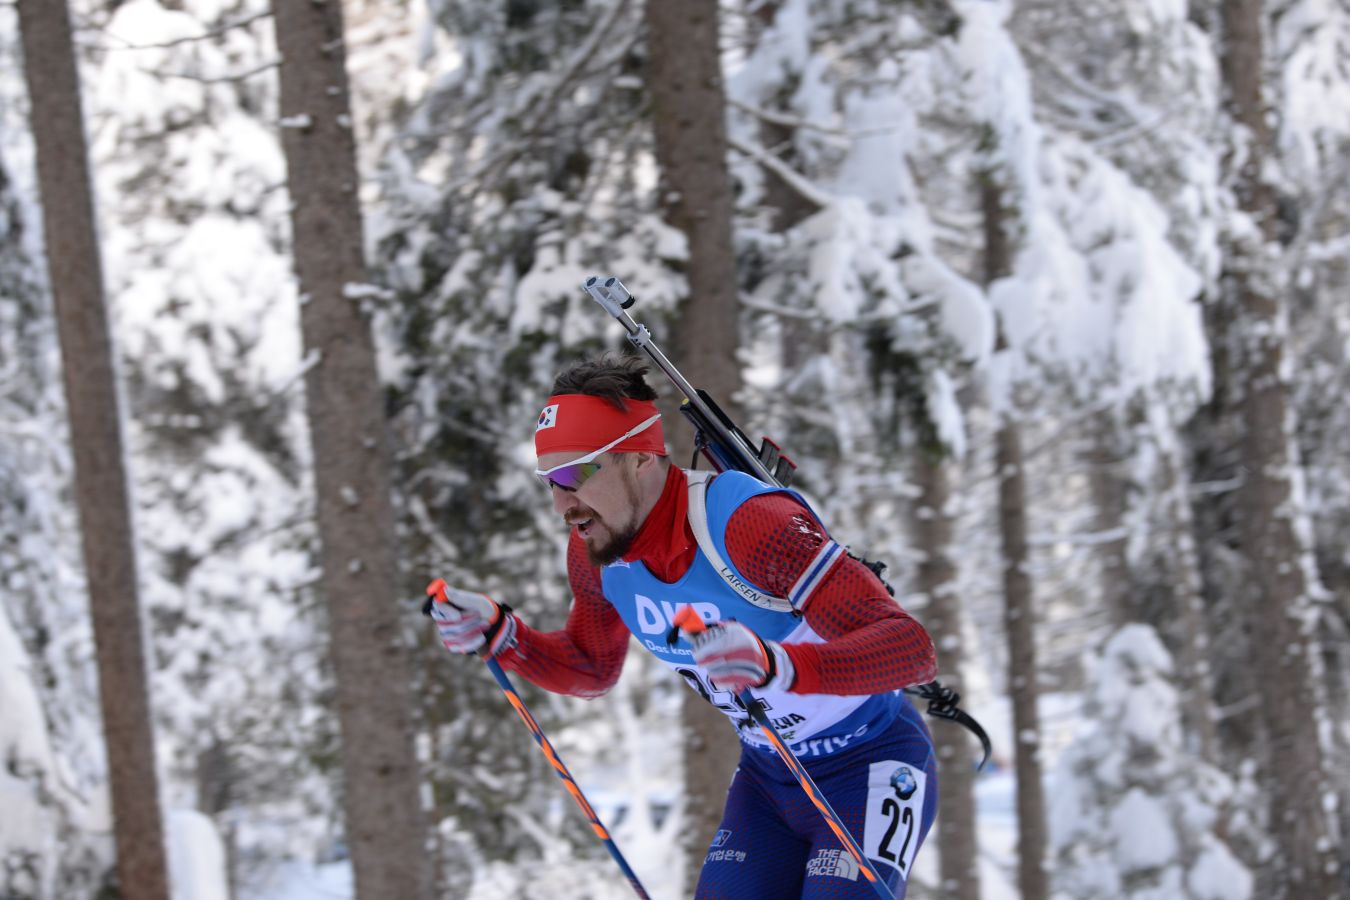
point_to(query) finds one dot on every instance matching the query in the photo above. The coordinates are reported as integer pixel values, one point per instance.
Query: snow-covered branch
(218, 79)
(205, 36)
(1082, 539)
(538, 108)
(791, 177)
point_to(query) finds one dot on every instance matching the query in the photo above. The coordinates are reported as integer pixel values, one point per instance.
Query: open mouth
(583, 526)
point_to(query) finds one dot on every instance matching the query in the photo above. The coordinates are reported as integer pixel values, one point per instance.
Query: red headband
(581, 423)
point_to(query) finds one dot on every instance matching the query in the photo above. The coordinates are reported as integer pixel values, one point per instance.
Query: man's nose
(562, 500)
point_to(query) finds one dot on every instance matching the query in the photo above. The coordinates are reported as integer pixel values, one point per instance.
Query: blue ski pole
(437, 590)
(692, 623)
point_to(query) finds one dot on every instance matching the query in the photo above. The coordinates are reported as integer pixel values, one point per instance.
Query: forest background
(1048, 300)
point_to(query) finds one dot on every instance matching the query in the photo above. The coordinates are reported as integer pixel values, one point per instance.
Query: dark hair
(613, 376)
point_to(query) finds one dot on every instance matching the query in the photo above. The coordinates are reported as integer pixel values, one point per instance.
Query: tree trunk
(1283, 615)
(1020, 622)
(801, 340)
(789, 207)
(1105, 457)
(689, 120)
(347, 430)
(1019, 609)
(75, 269)
(1194, 675)
(957, 841)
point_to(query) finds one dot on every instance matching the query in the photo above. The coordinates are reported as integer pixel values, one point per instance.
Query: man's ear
(645, 460)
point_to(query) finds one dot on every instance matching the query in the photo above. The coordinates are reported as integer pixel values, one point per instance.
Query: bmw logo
(904, 782)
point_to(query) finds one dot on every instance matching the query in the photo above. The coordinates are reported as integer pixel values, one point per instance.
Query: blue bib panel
(814, 724)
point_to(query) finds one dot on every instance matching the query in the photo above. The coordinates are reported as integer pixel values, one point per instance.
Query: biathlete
(828, 670)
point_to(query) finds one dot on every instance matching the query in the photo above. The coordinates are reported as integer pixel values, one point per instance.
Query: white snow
(1144, 837)
(196, 857)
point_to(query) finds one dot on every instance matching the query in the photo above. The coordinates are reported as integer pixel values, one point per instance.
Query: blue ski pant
(774, 844)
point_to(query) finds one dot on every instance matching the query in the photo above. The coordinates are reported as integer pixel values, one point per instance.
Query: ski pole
(692, 623)
(437, 590)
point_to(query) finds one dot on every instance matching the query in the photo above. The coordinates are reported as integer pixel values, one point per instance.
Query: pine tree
(957, 841)
(1135, 814)
(689, 129)
(856, 305)
(1280, 601)
(517, 175)
(50, 731)
(1308, 40)
(352, 480)
(75, 271)
(1019, 620)
(213, 364)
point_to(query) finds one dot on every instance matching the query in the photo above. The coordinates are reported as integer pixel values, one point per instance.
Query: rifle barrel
(615, 299)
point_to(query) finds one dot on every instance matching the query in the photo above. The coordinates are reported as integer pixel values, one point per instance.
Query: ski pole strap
(942, 703)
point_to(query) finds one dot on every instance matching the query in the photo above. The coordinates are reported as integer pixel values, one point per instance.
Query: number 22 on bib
(895, 793)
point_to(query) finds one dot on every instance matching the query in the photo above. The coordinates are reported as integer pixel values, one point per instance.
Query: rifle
(726, 447)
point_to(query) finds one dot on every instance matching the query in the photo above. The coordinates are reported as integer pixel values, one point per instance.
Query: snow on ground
(196, 857)
(303, 881)
(996, 811)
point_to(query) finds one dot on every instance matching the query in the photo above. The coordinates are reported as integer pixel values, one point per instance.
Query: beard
(620, 542)
(621, 538)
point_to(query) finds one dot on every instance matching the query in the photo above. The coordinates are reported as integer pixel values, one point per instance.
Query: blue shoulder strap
(698, 521)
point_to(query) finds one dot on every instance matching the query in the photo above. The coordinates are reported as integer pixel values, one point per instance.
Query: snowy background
(506, 155)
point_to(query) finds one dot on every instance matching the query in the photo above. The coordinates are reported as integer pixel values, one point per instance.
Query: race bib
(895, 792)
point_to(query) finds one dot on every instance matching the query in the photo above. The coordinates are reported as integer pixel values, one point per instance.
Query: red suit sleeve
(871, 644)
(584, 658)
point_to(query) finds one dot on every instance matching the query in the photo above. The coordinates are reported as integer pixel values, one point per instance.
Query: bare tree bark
(789, 207)
(1193, 668)
(1019, 602)
(347, 428)
(957, 842)
(689, 119)
(1283, 614)
(75, 270)
(1105, 457)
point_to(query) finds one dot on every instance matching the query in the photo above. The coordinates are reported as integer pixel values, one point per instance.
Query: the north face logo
(836, 863)
(548, 418)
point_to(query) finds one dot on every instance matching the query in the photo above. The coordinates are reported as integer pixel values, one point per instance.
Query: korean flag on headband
(548, 418)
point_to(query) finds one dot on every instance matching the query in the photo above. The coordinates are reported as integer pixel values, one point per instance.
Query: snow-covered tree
(94, 402)
(1135, 814)
(507, 153)
(344, 407)
(690, 144)
(863, 327)
(849, 294)
(1309, 41)
(189, 173)
(1131, 90)
(55, 837)
(523, 166)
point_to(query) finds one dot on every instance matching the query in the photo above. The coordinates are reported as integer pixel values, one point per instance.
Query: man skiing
(828, 669)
